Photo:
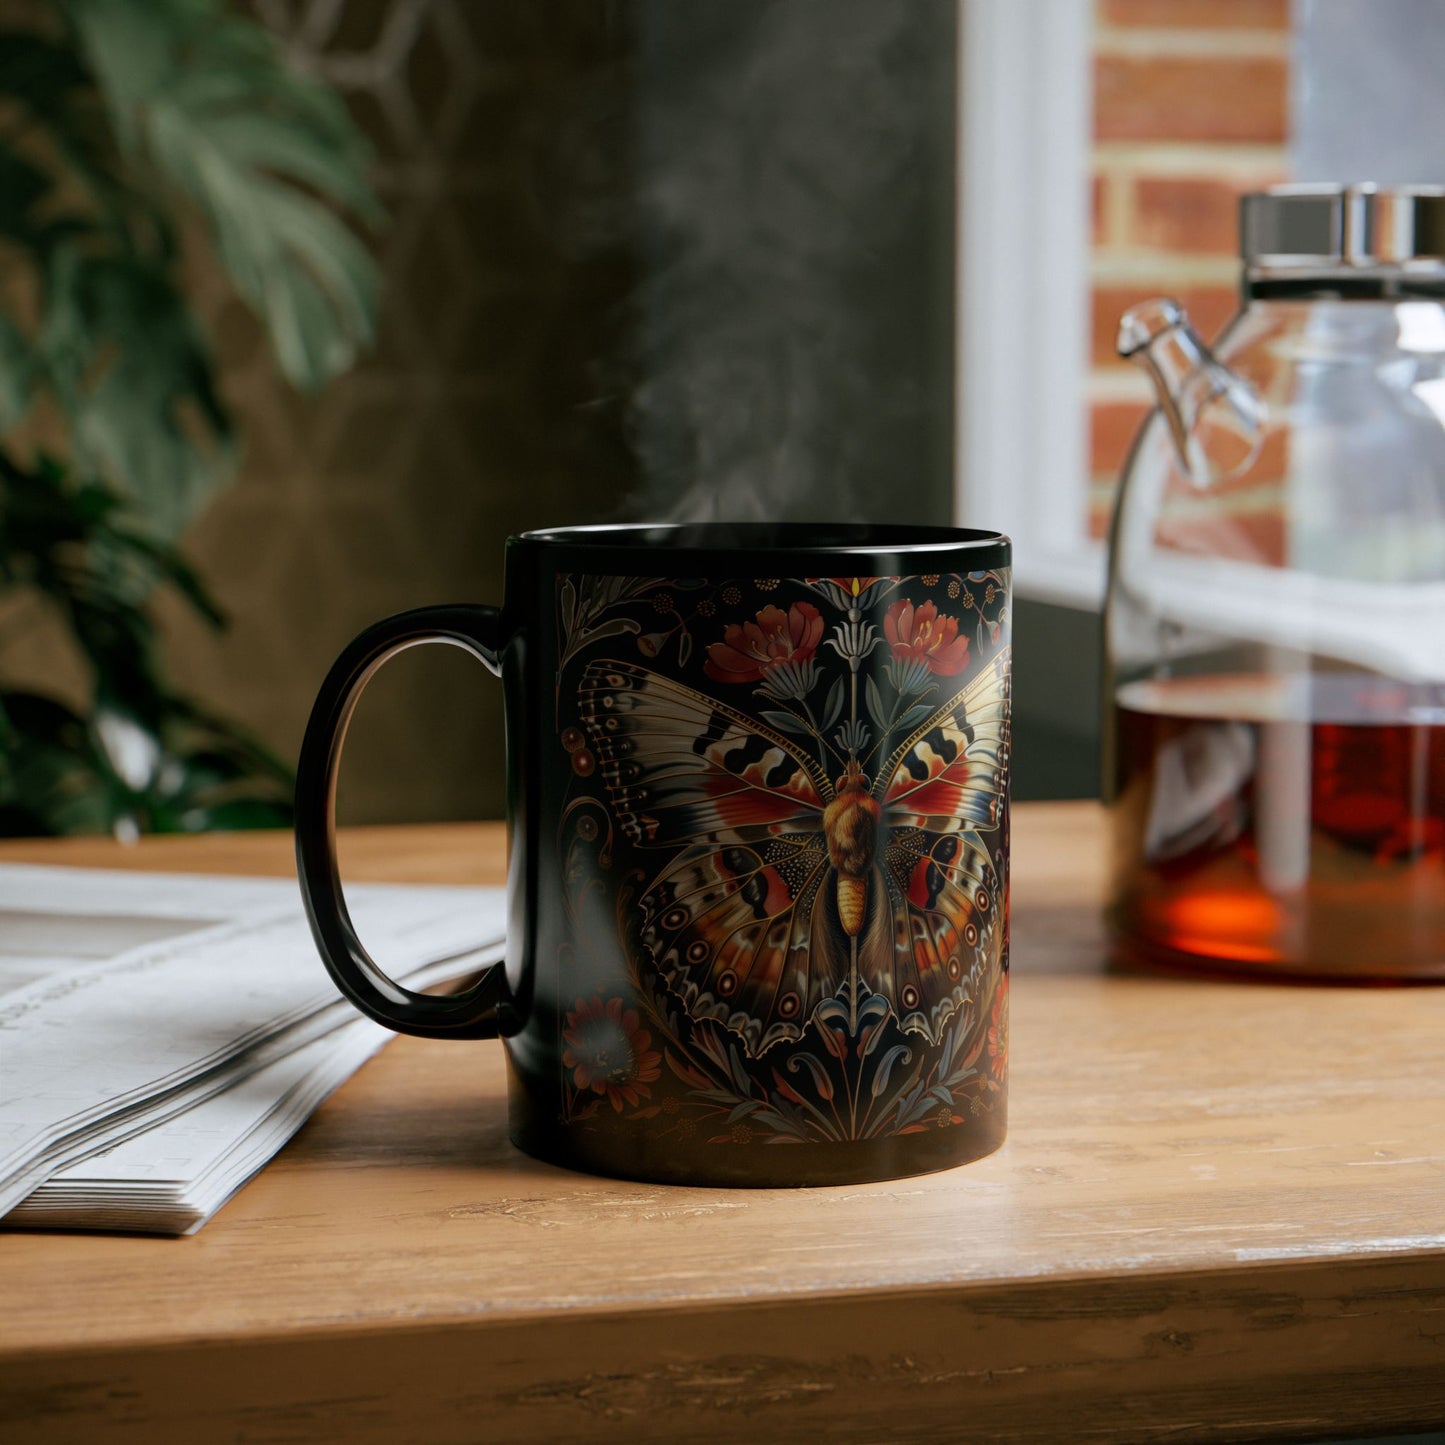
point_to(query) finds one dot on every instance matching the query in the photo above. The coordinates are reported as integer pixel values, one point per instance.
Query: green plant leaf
(38, 72)
(913, 717)
(265, 153)
(55, 98)
(169, 566)
(236, 742)
(133, 376)
(784, 721)
(49, 783)
(22, 187)
(71, 545)
(874, 700)
(112, 118)
(17, 371)
(236, 813)
(58, 774)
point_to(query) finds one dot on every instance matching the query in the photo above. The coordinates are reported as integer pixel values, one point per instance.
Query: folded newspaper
(162, 1036)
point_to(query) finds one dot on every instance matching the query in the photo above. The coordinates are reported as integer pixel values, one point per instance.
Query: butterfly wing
(941, 921)
(729, 919)
(681, 767)
(943, 790)
(951, 772)
(733, 930)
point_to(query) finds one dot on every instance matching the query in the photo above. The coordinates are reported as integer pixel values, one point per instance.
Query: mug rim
(781, 539)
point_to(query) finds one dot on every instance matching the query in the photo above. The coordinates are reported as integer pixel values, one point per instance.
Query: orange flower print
(998, 1032)
(609, 1053)
(919, 634)
(751, 650)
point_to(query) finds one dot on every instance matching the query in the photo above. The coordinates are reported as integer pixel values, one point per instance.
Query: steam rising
(791, 328)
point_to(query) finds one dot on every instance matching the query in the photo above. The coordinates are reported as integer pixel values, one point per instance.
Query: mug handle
(468, 1015)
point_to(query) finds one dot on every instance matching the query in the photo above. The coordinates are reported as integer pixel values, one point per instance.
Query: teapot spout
(1216, 418)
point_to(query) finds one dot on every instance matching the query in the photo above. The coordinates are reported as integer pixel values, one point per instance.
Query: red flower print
(751, 650)
(919, 634)
(609, 1053)
(998, 1032)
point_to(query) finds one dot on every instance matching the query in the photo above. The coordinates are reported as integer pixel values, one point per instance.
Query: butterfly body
(851, 823)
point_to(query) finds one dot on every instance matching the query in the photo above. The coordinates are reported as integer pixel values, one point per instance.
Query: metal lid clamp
(1355, 240)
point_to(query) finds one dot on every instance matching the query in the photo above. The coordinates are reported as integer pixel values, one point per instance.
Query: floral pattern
(749, 651)
(608, 1052)
(920, 634)
(998, 1032)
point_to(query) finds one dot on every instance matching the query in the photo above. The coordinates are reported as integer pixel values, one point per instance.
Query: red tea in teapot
(1289, 825)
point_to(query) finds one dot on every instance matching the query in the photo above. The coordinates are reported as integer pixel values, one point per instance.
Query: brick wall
(1190, 110)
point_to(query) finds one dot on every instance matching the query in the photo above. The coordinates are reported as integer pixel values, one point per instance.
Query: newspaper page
(129, 999)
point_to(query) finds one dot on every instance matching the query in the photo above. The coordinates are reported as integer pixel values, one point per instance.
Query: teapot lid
(1311, 228)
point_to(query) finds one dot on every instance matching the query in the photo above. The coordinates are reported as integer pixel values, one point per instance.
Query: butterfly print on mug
(826, 836)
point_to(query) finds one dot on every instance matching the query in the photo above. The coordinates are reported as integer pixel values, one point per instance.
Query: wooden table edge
(1283, 1349)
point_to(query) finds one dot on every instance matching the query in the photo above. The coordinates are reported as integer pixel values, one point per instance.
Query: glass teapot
(1275, 624)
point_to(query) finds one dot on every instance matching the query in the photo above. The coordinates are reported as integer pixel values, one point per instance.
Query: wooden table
(1220, 1213)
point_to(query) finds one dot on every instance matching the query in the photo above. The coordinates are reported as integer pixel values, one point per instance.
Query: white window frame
(1025, 121)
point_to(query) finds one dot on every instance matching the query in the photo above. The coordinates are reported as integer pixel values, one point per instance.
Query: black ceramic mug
(758, 879)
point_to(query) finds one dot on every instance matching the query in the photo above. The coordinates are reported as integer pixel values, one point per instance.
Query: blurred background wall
(655, 258)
